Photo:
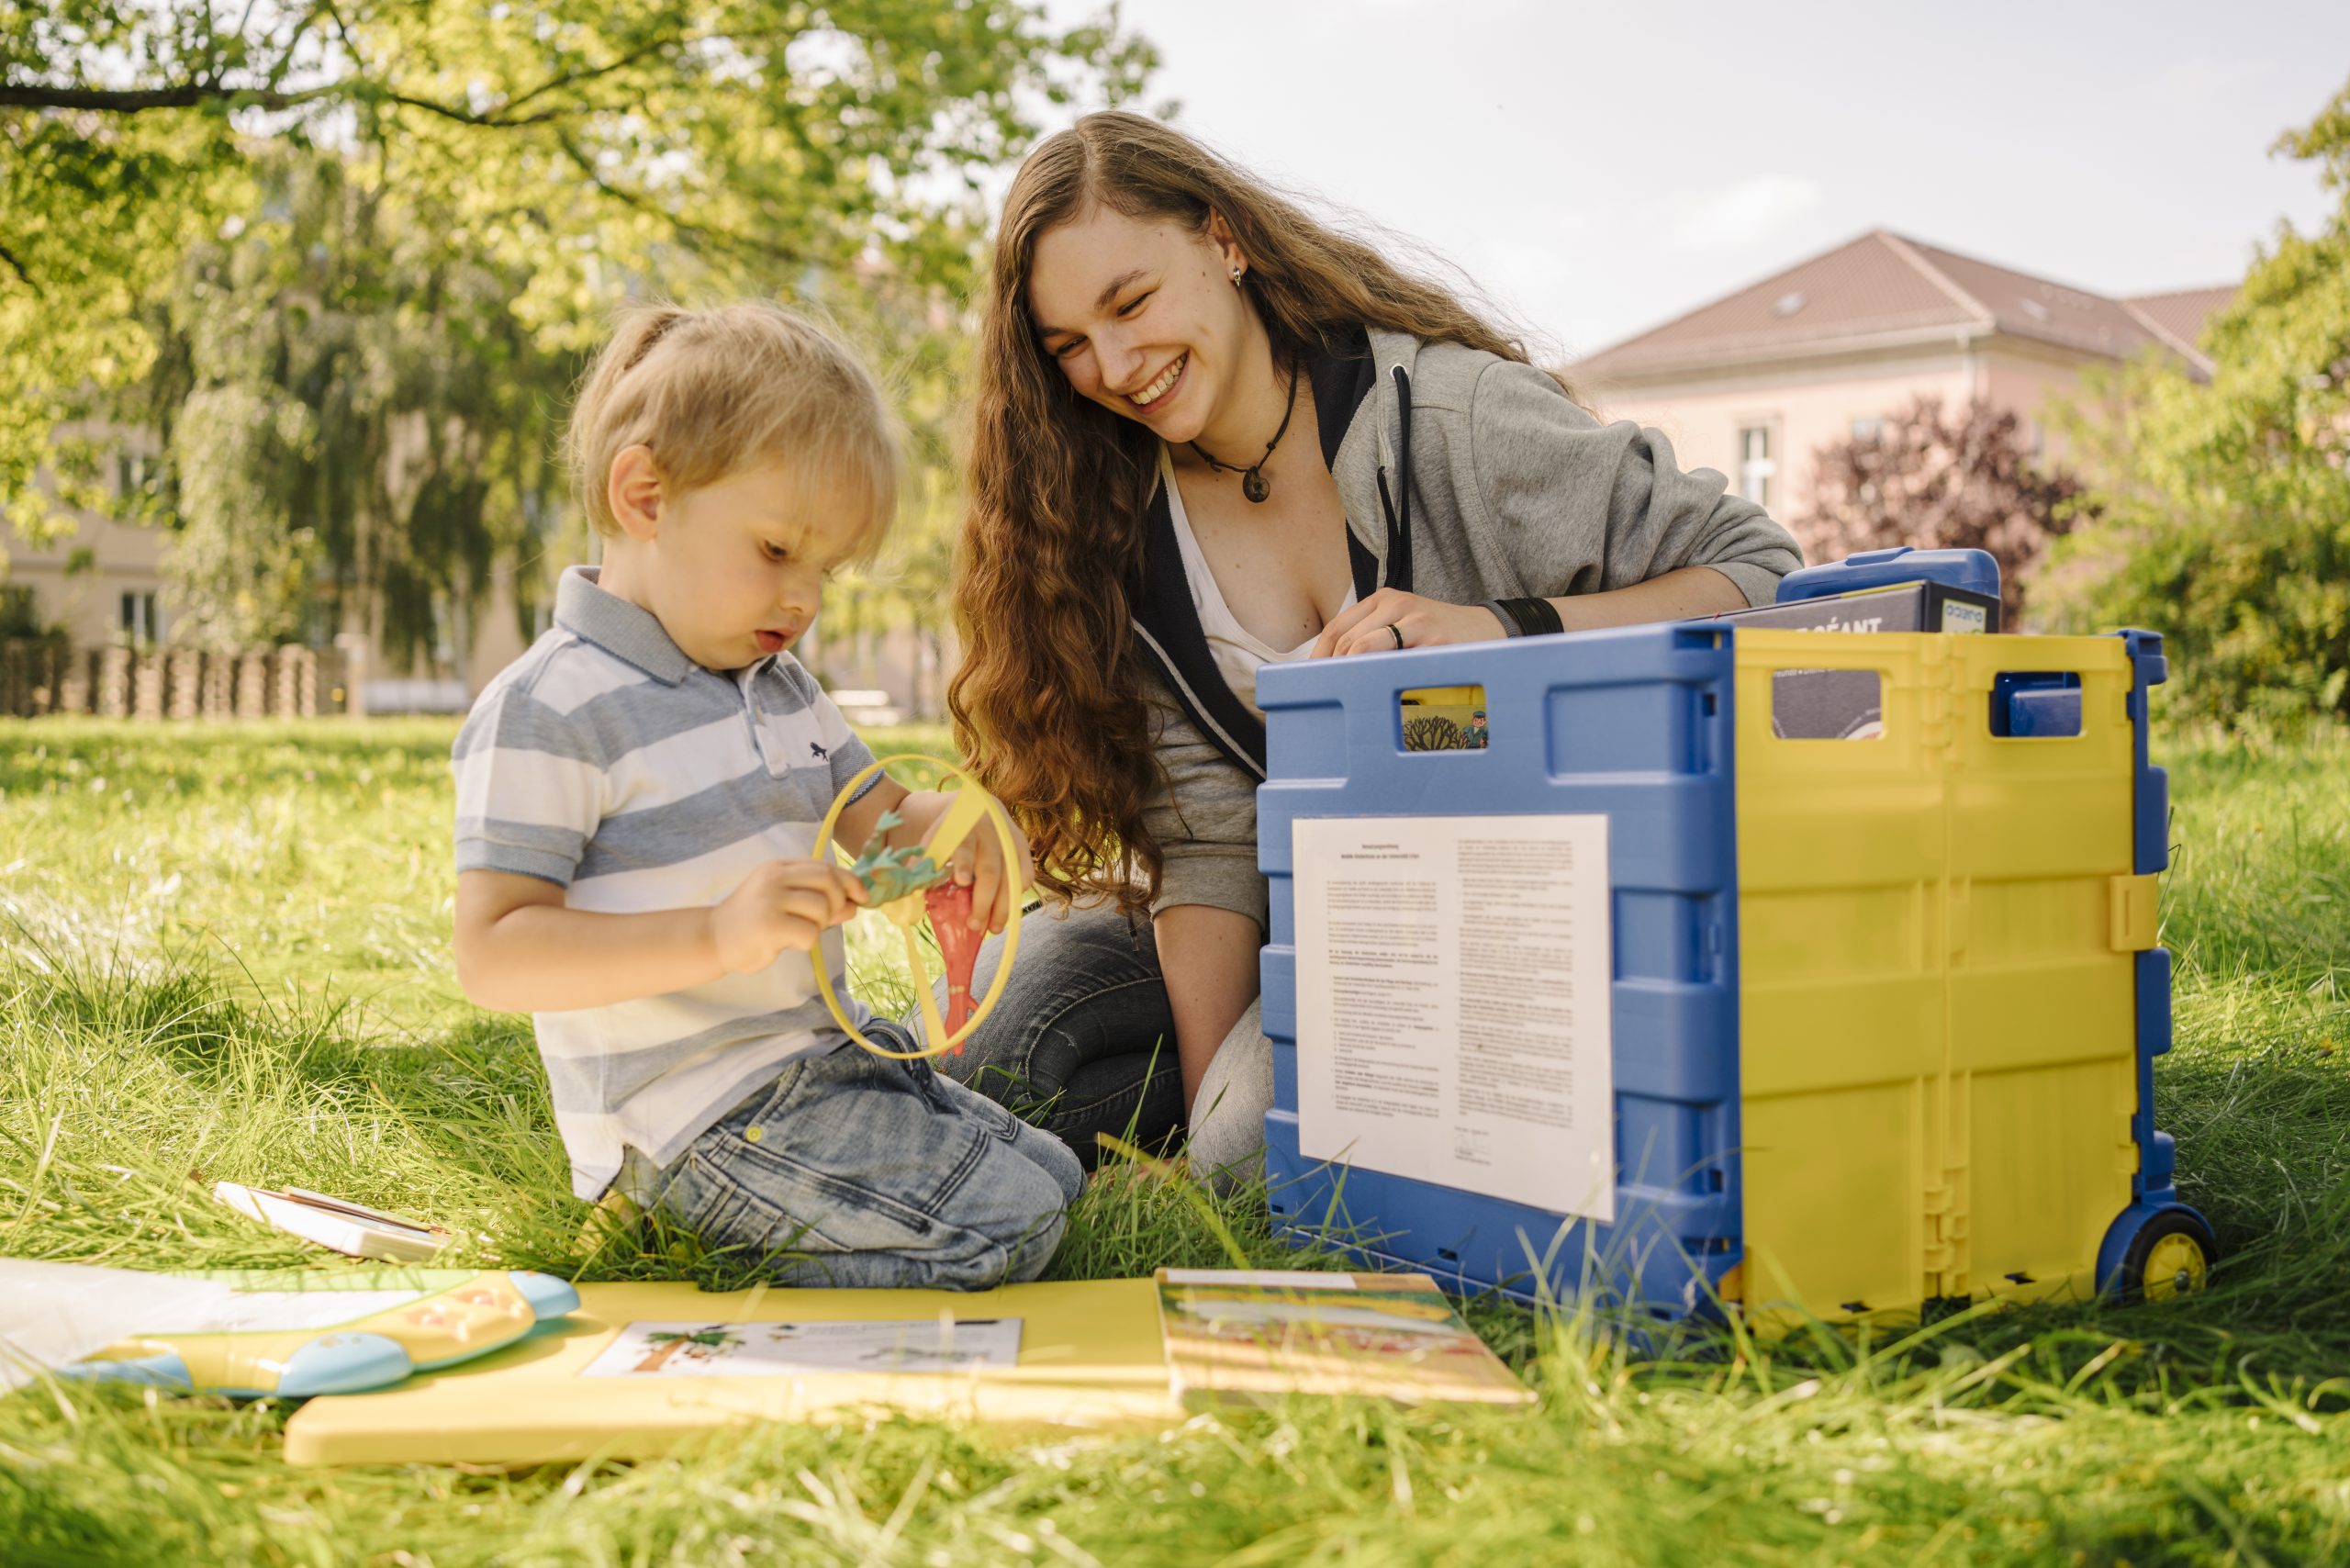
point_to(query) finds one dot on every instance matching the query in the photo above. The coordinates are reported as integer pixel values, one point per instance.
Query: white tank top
(1238, 653)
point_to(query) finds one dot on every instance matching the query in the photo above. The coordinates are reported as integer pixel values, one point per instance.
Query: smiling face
(1143, 316)
(732, 570)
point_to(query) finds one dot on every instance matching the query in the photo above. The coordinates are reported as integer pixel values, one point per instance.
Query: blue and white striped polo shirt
(607, 762)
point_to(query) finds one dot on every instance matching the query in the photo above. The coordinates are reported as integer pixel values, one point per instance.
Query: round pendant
(1255, 486)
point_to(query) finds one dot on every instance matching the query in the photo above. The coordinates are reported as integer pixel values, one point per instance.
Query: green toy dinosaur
(889, 874)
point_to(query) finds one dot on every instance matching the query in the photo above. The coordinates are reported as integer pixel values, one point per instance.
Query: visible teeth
(1158, 389)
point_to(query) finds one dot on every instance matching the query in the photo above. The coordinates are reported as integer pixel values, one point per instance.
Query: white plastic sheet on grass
(52, 1315)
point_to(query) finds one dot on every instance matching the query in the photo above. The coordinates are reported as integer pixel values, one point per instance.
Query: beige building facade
(1755, 383)
(103, 584)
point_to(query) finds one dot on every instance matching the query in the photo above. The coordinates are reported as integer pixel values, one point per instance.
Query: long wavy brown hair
(1049, 705)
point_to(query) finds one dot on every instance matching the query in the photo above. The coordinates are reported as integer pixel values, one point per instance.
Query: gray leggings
(1083, 1043)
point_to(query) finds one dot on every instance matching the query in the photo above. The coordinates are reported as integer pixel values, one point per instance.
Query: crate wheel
(2170, 1256)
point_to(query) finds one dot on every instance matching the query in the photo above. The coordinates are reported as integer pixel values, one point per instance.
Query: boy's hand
(977, 864)
(784, 906)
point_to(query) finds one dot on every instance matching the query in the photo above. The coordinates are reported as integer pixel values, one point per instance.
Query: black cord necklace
(1253, 483)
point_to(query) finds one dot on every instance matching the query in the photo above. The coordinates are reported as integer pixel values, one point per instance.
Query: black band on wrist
(1537, 616)
(1511, 625)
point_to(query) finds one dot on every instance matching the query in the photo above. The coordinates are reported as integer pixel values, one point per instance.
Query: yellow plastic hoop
(934, 1024)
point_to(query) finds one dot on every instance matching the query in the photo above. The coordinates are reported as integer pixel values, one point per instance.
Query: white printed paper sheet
(790, 1350)
(1453, 1019)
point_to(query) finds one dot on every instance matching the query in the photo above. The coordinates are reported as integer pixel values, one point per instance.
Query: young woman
(1213, 433)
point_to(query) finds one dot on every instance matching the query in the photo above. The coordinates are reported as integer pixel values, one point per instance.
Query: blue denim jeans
(1081, 1041)
(850, 1170)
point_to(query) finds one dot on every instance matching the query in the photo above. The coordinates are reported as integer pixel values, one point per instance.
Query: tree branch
(720, 238)
(496, 119)
(294, 43)
(577, 78)
(18, 268)
(109, 100)
(195, 95)
(139, 100)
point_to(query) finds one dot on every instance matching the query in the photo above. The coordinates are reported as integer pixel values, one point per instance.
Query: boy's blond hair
(712, 392)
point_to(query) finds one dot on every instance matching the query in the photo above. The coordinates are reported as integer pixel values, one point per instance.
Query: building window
(141, 624)
(1756, 467)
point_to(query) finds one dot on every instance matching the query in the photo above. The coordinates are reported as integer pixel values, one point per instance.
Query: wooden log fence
(40, 677)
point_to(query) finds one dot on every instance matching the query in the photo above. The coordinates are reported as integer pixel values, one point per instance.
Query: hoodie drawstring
(1399, 531)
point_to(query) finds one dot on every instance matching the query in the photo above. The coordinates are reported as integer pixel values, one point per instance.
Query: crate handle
(2036, 704)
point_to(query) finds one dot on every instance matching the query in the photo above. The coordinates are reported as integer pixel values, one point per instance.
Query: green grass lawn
(223, 953)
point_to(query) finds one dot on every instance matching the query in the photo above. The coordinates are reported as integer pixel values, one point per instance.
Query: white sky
(1600, 167)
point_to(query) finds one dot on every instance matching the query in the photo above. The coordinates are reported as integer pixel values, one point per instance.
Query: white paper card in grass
(1452, 1003)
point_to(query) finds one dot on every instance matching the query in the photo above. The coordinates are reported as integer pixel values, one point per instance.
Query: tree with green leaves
(2226, 503)
(355, 427)
(297, 239)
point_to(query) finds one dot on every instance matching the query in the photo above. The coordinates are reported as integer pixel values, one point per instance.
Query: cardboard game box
(1848, 705)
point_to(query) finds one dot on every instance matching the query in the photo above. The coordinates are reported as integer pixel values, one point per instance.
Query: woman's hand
(1424, 623)
(977, 863)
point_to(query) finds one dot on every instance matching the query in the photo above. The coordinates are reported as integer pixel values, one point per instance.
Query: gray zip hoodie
(1514, 491)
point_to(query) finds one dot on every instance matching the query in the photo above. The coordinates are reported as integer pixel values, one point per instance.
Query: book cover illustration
(1255, 1334)
(787, 1350)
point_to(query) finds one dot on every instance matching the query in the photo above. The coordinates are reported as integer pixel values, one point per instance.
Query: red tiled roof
(1882, 286)
(2184, 313)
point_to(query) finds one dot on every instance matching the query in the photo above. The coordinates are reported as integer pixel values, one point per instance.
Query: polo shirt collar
(622, 630)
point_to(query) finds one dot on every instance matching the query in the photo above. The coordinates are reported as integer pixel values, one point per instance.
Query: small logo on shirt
(820, 754)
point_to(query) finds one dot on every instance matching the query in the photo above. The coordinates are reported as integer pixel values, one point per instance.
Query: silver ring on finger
(1398, 632)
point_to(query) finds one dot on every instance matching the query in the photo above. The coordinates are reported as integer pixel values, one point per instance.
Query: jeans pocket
(771, 1104)
(698, 1196)
(729, 1214)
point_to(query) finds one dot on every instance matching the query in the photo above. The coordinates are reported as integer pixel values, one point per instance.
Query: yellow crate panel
(2065, 1010)
(1805, 837)
(1797, 1037)
(2079, 1285)
(1937, 1025)
(1875, 930)
(2042, 805)
(1833, 1201)
(2101, 663)
(2049, 1170)
(2006, 825)
(2028, 922)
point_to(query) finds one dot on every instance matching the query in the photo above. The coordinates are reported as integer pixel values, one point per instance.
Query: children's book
(639, 1367)
(1252, 1336)
(334, 1224)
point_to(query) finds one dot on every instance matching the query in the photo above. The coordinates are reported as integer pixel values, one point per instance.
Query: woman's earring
(1236, 274)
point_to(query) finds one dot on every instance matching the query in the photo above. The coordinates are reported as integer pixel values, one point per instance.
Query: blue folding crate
(1883, 1012)
(1633, 723)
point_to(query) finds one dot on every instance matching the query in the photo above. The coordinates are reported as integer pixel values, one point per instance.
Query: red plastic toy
(958, 949)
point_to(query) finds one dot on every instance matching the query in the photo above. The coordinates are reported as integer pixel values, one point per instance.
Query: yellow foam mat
(1091, 1356)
